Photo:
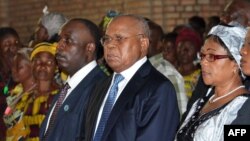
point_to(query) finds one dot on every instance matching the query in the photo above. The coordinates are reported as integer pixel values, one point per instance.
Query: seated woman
(22, 73)
(37, 104)
(220, 60)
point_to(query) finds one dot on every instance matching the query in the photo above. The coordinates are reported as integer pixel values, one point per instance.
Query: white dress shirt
(74, 81)
(127, 74)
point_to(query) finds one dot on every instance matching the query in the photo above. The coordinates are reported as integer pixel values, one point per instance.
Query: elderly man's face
(124, 43)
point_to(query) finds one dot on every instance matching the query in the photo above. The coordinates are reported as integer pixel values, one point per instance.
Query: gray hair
(142, 22)
(53, 22)
(25, 52)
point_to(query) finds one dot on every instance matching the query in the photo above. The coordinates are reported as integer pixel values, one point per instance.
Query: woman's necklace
(220, 97)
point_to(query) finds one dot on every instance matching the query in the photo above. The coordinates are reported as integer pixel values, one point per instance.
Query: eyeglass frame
(214, 57)
(118, 39)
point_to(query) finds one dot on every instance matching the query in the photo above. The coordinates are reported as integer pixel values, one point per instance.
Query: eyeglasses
(105, 40)
(212, 57)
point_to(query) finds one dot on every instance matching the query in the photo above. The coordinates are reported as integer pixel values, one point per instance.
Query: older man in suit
(137, 103)
(76, 55)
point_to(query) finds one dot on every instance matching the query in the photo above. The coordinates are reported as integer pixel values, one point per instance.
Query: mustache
(59, 55)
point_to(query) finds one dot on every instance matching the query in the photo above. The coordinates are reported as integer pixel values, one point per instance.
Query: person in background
(47, 31)
(9, 44)
(220, 65)
(48, 28)
(76, 54)
(13, 116)
(102, 26)
(137, 102)
(245, 67)
(212, 21)
(188, 44)
(35, 105)
(166, 68)
(245, 53)
(169, 49)
(198, 24)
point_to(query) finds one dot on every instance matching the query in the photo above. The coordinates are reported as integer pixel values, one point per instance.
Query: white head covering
(53, 22)
(232, 36)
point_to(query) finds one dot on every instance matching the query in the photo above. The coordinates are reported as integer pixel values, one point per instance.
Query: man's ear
(144, 45)
(91, 48)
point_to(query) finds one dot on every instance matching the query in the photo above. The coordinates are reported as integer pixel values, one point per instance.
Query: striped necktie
(59, 103)
(108, 107)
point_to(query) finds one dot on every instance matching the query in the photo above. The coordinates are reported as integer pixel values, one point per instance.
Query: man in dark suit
(76, 55)
(144, 105)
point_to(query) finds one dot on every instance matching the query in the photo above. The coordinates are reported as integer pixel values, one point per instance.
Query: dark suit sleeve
(158, 116)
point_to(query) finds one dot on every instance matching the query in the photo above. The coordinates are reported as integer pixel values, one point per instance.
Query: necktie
(108, 107)
(59, 103)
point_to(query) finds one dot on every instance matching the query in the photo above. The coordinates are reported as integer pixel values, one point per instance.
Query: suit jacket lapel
(72, 99)
(129, 92)
(95, 104)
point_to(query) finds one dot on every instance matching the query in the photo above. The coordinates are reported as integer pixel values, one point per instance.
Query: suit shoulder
(158, 76)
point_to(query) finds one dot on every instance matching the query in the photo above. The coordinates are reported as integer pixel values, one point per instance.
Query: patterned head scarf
(53, 22)
(44, 47)
(232, 36)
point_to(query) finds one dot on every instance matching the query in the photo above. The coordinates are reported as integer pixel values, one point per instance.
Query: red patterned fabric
(188, 34)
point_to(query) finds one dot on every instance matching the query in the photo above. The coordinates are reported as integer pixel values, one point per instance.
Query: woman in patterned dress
(36, 105)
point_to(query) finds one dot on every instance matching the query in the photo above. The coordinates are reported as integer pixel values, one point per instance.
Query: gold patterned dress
(13, 115)
(29, 113)
(191, 81)
(36, 108)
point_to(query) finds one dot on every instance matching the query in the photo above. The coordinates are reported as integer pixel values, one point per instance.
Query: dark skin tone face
(245, 53)
(76, 47)
(41, 34)
(44, 65)
(120, 56)
(220, 71)
(21, 68)
(8, 48)
(186, 52)
(169, 51)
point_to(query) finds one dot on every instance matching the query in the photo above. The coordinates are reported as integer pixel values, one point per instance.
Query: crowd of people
(125, 79)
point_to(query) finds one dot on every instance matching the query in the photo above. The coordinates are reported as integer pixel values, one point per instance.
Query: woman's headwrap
(44, 47)
(53, 22)
(232, 36)
(188, 34)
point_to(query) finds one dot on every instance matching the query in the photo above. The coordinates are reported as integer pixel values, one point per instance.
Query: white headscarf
(232, 36)
(53, 22)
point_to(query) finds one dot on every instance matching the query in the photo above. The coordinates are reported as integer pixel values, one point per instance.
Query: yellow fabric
(17, 131)
(191, 81)
(44, 47)
(64, 76)
(33, 139)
